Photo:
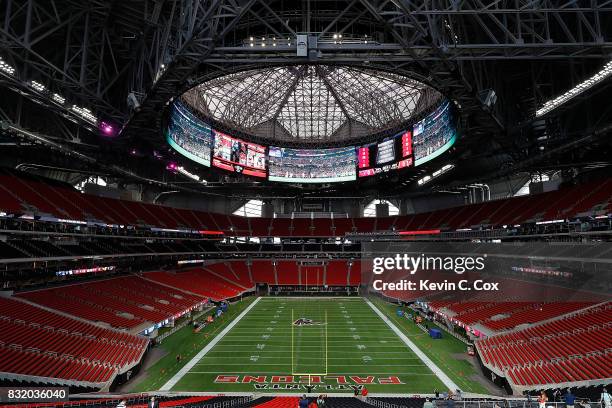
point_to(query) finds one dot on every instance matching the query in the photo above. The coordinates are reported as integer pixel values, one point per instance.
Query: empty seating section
(278, 402)
(44, 365)
(576, 369)
(238, 272)
(35, 341)
(301, 227)
(43, 197)
(322, 227)
(167, 300)
(14, 309)
(287, 273)
(337, 273)
(385, 223)
(89, 309)
(259, 226)
(198, 281)
(575, 348)
(312, 275)
(280, 227)
(342, 226)
(28, 337)
(235, 279)
(535, 313)
(229, 279)
(524, 302)
(125, 302)
(263, 272)
(364, 224)
(26, 192)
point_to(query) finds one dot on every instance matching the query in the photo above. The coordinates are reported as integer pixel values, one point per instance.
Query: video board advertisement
(312, 165)
(189, 135)
(391, 154)
(434, 135)
(238, 156)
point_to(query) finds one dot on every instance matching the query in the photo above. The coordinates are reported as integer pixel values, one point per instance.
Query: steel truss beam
(95, 52)
(67, 49)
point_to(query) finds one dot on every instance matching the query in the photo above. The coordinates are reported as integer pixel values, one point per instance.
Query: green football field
(341, 343)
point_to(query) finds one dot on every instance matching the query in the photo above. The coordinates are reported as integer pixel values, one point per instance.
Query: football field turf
(282, 344)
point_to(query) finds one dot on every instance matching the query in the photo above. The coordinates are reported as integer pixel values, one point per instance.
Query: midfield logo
(302, 321)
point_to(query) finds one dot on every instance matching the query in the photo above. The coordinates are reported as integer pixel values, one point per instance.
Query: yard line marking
(286, 346)
(345, 358)
(450, 384)
(238, 353)
(185, 369)
(233, 336)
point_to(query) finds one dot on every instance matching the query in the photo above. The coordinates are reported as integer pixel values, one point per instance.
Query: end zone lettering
(305, 379)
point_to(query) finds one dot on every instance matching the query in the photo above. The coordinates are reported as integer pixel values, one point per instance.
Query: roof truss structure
(312, 103)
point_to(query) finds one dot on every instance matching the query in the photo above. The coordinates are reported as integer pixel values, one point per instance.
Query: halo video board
(311, 165)
(393, 153)
(238, 156)
(189, 135)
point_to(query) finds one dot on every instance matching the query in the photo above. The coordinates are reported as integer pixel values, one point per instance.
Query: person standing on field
(606, 399)
(542, 400)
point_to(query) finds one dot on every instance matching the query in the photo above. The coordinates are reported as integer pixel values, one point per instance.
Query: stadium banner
(541, 280)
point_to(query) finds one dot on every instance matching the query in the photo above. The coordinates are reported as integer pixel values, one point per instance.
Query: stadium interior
(309, 203)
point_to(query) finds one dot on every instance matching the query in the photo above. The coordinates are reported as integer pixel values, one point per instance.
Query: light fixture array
(435, 174)
(604, 73)
(6, 68)
(82, 112)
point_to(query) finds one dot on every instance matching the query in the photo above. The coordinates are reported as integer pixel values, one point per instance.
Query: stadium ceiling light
(6, 68)
(604, 73)
(37, 86)
(58, 98)
(187, 173)
(423, 180)
(437, 173)
(84, 113)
